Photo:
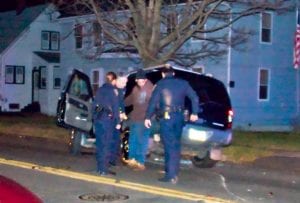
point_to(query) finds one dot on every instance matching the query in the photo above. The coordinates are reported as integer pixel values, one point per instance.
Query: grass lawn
(246, 147)
(37, 125)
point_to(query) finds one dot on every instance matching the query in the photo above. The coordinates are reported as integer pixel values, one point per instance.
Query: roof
(50, 57)
(19, 5)
(12, 25)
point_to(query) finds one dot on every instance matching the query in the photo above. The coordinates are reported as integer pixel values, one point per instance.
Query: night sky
(7, 5)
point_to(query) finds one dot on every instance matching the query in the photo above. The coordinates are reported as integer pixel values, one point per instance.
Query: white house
(30, 60)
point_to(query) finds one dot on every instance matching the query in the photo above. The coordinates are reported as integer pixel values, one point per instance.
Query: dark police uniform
(116, 140)
(169, 95)
(106, 117)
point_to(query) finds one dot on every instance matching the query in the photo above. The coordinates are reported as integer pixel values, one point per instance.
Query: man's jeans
(138, 141)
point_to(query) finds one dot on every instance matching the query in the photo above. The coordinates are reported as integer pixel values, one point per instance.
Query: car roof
(159, 67)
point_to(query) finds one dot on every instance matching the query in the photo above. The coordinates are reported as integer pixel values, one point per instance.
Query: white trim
(229, 49)
(268, 85)
(271, 28)
(119, 55)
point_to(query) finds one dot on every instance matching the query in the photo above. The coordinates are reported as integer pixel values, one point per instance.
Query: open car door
(74, 105)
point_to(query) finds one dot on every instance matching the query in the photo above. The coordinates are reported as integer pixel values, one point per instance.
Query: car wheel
(60, 114)
(205, 162)
(75, 140)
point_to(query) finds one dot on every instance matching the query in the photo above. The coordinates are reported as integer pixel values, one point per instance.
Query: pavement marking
(115, 182)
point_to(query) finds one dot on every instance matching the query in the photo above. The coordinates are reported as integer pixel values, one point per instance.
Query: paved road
(273, 179)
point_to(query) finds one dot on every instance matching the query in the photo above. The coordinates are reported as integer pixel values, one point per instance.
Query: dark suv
(202, 141)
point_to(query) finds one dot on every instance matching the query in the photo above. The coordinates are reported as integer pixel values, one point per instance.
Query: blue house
(266, 85)
(261, 80)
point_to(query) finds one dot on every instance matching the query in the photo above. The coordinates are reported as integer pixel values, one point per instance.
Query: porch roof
(50, 57)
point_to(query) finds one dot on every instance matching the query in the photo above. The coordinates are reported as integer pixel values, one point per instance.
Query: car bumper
(197, 135)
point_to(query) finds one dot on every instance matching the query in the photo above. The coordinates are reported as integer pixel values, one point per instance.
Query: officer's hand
(193, 117)
(118, 126)
(147, 123)
(123, 117)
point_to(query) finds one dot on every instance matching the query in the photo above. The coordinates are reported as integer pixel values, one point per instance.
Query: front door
(35, 85)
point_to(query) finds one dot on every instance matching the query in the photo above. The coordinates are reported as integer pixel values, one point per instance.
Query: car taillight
(229, 118)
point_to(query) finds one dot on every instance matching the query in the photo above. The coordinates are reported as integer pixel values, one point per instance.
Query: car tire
(205, 162)
(75, 140)
(60, 114)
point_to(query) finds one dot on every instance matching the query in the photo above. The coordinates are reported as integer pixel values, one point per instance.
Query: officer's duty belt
(173, 109)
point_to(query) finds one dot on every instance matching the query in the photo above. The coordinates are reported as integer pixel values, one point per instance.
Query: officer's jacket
(121, 95)
(106, 98)
(170, 93)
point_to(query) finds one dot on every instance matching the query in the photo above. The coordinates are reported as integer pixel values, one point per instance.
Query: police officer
(169, 96)
(106, 120)
(115, 151)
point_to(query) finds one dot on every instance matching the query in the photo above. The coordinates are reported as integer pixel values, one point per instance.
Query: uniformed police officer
(169, 95)
(115, 151)
(106, 120)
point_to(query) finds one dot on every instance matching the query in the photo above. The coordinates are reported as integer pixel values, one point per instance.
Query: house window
(97, 32)
(266, 27)
(56, 78)
(263, 84)
(14, 74)
(298, 16)
(43, 77)
(78, 36)
(172, 21)
(50, 40)
(97, 79)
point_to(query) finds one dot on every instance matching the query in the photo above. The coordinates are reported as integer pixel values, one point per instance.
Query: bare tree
(158, 29)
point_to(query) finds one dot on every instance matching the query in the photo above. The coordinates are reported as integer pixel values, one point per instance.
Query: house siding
(280, 109)
(73, 59)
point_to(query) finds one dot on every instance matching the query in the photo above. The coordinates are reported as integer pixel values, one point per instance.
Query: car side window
(79, 88)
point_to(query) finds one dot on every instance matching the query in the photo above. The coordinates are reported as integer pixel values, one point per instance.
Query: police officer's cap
(167, 69)
(140, 74)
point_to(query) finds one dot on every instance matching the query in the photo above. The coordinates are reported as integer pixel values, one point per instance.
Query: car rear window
(208, 89)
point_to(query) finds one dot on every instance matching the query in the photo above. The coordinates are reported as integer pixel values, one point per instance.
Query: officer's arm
(153, 102)
(191, 94)
(151, 106)
(95, 102)
(121, 103)
(115, 107)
